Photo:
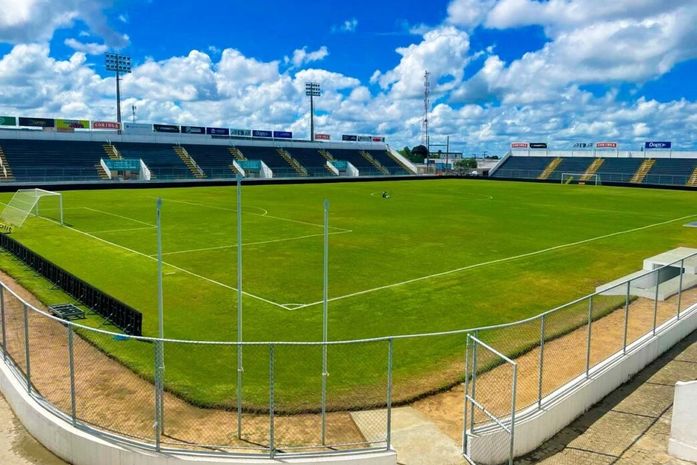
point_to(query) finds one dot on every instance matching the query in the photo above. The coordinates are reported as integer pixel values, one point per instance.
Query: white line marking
(120, 230)
(499, 260)
(119, 216)
(271, 241)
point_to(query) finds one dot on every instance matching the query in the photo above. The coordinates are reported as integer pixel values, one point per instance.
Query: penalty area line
(498, 260)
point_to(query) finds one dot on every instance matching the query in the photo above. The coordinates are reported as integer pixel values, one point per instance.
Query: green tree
(465, 165)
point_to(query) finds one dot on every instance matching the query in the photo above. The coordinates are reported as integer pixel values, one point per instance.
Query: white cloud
(468, 13)
(302, 57)
(349, 25)
(90, 48)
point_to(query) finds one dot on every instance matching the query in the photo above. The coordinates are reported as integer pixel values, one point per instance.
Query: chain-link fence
(287, 398)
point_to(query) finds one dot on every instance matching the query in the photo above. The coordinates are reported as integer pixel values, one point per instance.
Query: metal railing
(65, 366)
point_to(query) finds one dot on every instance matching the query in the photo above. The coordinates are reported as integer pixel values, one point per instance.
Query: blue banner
(282, 135)
(241, 132)
(658, 145)
(218, 131)
(193, 130)
(256, 133)
(349, 137)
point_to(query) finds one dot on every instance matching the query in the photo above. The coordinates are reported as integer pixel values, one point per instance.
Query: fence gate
(489, 410)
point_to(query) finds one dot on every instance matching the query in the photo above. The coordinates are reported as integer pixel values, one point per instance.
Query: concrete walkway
(631, 426)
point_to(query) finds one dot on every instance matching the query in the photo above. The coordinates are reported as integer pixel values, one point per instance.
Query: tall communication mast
(425, 140)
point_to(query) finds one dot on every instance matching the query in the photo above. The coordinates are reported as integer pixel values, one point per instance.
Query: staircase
(595, 166)
(111, 151)
(236, 153)
(693, 178)
(189, 162)
(100, 172)
(234, 170)
(643, 170)
(5, 170)
(550, 168)
(295, 164)
(327, 156)
(373, 161)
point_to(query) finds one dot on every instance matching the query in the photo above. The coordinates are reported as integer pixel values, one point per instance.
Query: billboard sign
(349, 137)
(583, 145)
(258, 133)
(364, 138)
(378, 139)
(282, 135)
(241, 132)
(137, 128)
(165, 128)
(72, 124)
(658, 145)
(193, 130)
(606, 145)
(8, 121)
(538, 145)
(218, 131)
(105, 125)
(322, 136)
(37, 122)
(519, 145)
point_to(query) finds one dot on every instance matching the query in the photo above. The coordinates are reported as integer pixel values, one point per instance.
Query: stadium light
(312, 90)
(120, 64)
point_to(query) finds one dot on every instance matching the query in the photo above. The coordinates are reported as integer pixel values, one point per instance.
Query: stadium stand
(38, 160)
(674, 171)
(619, 169)
(522, 167)
(214, 160)
(162, 160)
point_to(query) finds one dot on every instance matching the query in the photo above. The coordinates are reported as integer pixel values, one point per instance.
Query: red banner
(378, 139)
(105, 125)
(519, 145)
(322, 136)
(606, 145)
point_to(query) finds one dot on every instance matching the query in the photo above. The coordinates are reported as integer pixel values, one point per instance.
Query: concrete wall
(683, 429)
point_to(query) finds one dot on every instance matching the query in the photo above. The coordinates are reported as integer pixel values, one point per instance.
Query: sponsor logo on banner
(138, 128)
(72, 124)
(258, 133)
(606, 145)
(105, 125)
(8, 121)
(218, 131)
(364, 139)
(349, 137)
(37, 122)
(378, 139)
(193, 130)
(282, 135)
(658, 145)
(165, 128)
(519, 145)
(322, 136)
(583, 145)
(241, 132)
(538, 145)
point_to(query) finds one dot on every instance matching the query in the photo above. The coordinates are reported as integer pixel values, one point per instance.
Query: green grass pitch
(435, 256)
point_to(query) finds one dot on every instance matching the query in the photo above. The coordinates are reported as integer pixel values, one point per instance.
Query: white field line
(119, 216)
(244, 244)
(264, 215)
(499, 260)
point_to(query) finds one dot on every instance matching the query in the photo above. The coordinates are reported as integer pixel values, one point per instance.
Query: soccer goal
(26, 202)
(580, 178)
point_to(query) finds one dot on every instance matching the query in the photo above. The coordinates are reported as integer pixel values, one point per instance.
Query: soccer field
(435, 256)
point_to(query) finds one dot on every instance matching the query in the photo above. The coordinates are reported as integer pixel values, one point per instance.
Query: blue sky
(558, 70)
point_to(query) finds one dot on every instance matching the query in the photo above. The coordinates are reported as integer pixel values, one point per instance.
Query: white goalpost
(580, 178)
(25, 202)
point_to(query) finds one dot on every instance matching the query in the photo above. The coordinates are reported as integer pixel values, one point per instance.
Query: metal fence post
(2, 316)
(588, 341)
(272, 403)
(71, 363)
(626, 318)
(682, 273)
(466, 390)
(26, 346)
(158, 404)
(388, 400)
(474, 374)
(541, 362)
(513, 399)
(655, 301)
(324, 394)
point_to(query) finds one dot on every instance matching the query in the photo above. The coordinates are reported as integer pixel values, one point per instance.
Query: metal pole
(474, 375)
(325, 315)
(2, 317)
(466, 389)
(312, 118)
(626, 318)
(513, 399)
(240, 368)
(118, 97)
(588, 341)
(60, 206)
(26, 346)
(541, 362)
(390, 348)
(272, 403)
(682, 272)
(158, 403)
(655, 301)
(71, 363)
(160, 321)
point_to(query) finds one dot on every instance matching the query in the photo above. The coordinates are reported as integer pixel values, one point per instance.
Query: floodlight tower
(119, 64)
(425, 139)
(312, 90)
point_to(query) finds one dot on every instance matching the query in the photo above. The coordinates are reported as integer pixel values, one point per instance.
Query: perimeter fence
(121, 385)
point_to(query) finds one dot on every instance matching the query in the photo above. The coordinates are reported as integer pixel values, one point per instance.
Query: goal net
(27, 202)
(580, 178)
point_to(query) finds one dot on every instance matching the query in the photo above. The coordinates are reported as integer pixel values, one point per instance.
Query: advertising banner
(658, 145)
(137, 128)
(8, 121)
(165, 128)
(37, 122)
(378, 139)
(241, 132)
(538, 145)
(364, 139)
(349, 137)
(606, 145)
(322, 136)
(193, 130)
(583, 145)
(72, 124)
(282, 135)
(258, 133)
(519, 145)
(105, 125)
(218, 131)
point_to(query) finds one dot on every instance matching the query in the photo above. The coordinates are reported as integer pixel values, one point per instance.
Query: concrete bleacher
(311, 159)
(161, 159)
(571, 165)
(387, 161)
(214, 160)
(522, 167)
(619, 169)
(33, 160)
(676, 171)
